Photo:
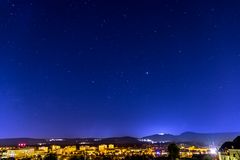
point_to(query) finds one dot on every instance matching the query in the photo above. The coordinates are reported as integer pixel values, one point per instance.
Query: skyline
(161, 135)
(91, 68)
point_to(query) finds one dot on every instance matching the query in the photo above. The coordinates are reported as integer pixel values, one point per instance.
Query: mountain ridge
(210, 139)
(204, 138)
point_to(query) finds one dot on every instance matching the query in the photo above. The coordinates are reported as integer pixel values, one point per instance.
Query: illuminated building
(102, 148)
(19, 153)
(230, 150)
(84, 148)
(44, 149)
(111, 146)
(55, 147)
(231, 154)
(69, 149)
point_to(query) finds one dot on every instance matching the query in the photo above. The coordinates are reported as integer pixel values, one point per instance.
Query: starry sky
(99, 68)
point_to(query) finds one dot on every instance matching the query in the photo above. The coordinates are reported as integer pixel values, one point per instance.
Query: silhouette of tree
(39, 157)
(202, 157)
(106, 158)
(50, 156)
(12, 158)
(173, 151)
(161, 158)
(139, 157)
(77, 158)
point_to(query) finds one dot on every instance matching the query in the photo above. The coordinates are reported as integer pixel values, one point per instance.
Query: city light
(161, 134)
(213, 151)
(22, 145)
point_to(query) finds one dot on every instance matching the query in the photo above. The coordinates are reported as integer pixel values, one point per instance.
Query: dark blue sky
(72, 68)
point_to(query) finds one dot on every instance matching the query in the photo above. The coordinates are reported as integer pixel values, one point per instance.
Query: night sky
(98, 68)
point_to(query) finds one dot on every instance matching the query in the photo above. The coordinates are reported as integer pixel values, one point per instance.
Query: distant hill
(187, 137)
(121, 141)
(200, 138)
(16, 141)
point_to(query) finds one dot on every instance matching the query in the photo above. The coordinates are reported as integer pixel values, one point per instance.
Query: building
(19, 153)
(230, 150)
(84, 148)
(111, 146)
(55, 147)
(43, 148)
(69, 150)
(102, 148)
